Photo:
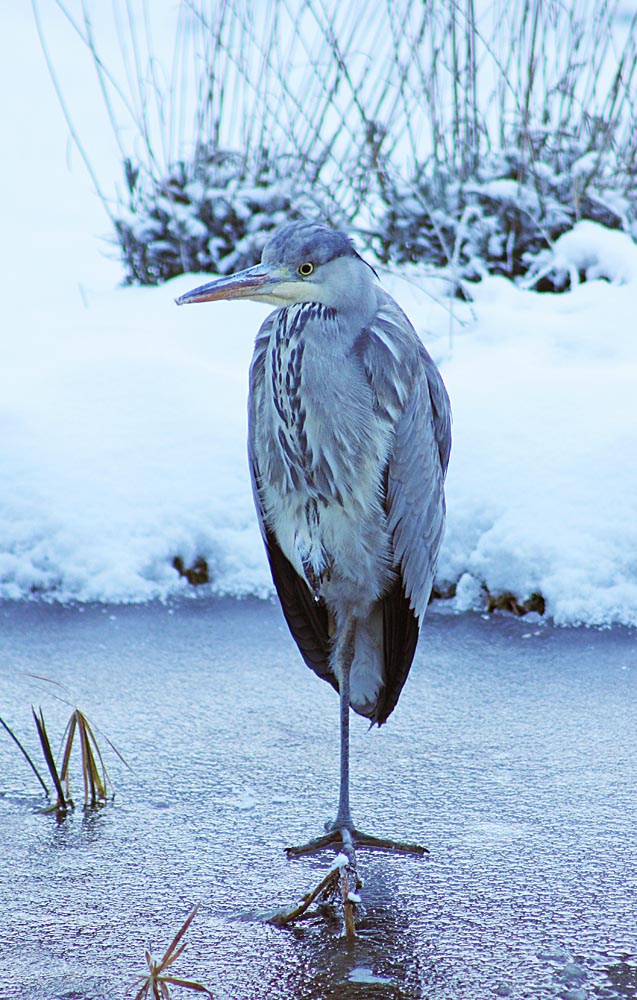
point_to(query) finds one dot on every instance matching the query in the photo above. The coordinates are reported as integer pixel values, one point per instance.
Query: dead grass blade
(157, 984)
(81, 719)
(24, 752)
(63, 803)
(95, 776)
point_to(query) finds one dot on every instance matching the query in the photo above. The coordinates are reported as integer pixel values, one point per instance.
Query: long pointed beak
(253, 283)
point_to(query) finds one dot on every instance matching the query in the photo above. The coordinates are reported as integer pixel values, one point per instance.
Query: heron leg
(341, 833)
(345, 656)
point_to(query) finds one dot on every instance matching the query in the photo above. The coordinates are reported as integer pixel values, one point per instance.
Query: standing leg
(342, 833)
(344, 655)
(339, 830)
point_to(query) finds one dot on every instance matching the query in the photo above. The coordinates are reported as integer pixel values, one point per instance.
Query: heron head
(301, 262)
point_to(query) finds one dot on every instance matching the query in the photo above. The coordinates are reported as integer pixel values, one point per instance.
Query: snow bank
(122, 447)
(542, 490)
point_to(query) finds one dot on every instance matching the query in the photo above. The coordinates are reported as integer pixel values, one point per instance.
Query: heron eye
(306, 269)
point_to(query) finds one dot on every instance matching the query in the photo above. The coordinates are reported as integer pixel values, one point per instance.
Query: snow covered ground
(122, 419)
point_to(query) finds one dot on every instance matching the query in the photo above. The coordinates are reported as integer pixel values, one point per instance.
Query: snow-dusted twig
(336, 885)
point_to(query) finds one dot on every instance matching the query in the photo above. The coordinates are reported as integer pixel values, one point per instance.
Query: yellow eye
(306, 269)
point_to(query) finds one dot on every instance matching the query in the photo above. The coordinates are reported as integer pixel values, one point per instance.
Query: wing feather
(400, 637)
(409, 389)
(410, 392)
(307, 618)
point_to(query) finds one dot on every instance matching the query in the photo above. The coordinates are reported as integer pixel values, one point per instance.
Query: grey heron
(348, 444)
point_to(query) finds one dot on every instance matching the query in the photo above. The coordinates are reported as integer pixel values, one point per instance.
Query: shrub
(210, 215)
(438, 135)
(508, 212)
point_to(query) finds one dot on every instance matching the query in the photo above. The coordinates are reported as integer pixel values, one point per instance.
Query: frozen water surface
(512, 755)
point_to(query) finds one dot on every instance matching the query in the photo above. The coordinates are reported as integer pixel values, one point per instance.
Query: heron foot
(350, 837)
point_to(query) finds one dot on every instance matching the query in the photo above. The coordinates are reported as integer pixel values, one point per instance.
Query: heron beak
(253, 283)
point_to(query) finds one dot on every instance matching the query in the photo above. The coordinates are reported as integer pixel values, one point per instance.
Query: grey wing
(411, 398)
(416, 473)
(408, 386)
(306, 617)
